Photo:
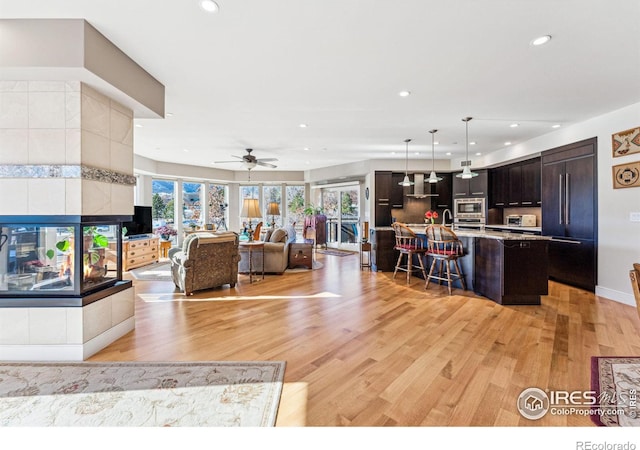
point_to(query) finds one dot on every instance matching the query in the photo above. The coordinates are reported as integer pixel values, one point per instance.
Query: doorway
(341, 206)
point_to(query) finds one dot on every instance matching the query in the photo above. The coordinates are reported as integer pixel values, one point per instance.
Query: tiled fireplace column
(68, 97)
(67, 150)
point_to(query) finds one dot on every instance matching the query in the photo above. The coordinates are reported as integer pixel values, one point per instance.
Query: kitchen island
(509, 268)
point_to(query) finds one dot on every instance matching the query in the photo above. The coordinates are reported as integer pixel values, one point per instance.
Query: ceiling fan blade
(268, 159)
(224, 162)
(264, 164)
(239, 157)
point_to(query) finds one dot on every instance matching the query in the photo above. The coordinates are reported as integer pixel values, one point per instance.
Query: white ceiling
(250, 74)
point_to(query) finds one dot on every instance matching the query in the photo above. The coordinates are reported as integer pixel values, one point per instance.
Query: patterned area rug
(131, 394)
(153, 272)
(616, 381)
(335, 252)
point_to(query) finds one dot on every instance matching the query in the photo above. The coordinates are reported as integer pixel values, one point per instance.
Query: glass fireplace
(59, 256)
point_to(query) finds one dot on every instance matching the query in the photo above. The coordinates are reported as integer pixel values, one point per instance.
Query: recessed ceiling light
(404, 93)
(507, 143)
(472, 143)
(557, 125)
(303, 125)
(448, 153)
(393, 153)
(478, 154)
(308, 162)
(436, 143)
(417, 153)
(169, 114)
(541, 40)
(209, 6)
(514, 125)
(306, 149)
(138, 125)
(185, 150)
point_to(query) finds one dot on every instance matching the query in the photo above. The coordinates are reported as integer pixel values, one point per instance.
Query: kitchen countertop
(487, 234)
(516, 228)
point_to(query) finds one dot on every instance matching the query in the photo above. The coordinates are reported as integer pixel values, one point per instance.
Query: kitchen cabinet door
(383, 202)
(515, 186)
(499, 186)
(579, 193)
(530, 192)
(396, 196)
(479, 186)
(552, 191)
(442, 190)
(460, 187)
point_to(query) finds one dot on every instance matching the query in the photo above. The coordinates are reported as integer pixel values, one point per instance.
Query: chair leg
(433, 266)
(424, 274)
(409, 266)
(448, 276)
(397, 265)
(464, 286)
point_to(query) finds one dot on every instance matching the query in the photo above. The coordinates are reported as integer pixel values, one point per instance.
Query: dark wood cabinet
(383, 182)
(569, 212)
(383, 256)
(530, 190)
(514, 192)
(442, 190)
(499, 187)
(473, 187)
(516, 185)
(396, 195)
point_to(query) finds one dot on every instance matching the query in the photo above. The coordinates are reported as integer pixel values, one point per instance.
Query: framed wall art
(626, 142)
(626, 175)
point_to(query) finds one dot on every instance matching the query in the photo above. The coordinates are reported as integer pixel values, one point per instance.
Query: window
(192, 203)
(163, 202)
(218, 205)
(272, 194)
(295, 205)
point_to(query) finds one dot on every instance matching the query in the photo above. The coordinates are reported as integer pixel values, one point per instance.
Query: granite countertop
(487, 234)
(513, 227)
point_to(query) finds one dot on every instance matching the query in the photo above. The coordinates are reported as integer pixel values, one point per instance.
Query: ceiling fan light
(433, 178)
(209, 6)
(406, 181)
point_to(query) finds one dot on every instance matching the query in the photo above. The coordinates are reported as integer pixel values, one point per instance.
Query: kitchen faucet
(444, 217)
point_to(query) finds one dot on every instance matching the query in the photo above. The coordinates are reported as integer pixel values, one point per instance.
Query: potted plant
(166, 232)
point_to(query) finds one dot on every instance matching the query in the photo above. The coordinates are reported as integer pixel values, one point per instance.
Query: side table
(164, 248)
(365, 255)
(253, 246)
(300, 254)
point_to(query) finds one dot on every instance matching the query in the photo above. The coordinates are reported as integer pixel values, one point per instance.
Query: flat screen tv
(141, 223)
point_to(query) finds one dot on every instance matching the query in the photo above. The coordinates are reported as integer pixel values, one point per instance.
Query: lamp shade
(273, 209)
(250, 208)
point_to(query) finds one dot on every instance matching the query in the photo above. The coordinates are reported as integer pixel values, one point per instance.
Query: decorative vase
(165, 237)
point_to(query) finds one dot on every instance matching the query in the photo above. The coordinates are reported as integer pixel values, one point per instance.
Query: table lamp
(273, 209)
(250, 210)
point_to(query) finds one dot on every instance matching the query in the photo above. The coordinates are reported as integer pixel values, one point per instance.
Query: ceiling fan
(251, 161)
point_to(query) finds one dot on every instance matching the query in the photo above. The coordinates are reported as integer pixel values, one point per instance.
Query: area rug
(316, 266)
(616, 382)
(335, 252)
(153, 272)
(139, 394)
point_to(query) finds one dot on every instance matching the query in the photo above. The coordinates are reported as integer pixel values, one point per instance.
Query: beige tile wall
(58, 122)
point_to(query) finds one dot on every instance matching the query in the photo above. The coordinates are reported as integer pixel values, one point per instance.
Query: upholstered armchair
(205, 261)
(276, 253)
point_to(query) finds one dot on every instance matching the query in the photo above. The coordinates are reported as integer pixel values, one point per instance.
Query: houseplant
(166, 232)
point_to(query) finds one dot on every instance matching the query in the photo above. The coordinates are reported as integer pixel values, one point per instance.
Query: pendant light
(433, 178)
(466, 172)
(406, 181)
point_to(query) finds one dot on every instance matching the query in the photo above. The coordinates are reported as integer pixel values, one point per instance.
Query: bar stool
(444, 247)
(407, 243)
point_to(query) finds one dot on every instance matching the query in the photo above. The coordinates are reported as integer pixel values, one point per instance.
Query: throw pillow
(268, 235)
(291, 231)
(280, 235)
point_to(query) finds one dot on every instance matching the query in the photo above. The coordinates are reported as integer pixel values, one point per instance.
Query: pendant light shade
(406, 181)
(466, 172)
(433, 177)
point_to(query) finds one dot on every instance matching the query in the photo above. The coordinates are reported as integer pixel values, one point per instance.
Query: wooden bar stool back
(445, 248)
(409, 244)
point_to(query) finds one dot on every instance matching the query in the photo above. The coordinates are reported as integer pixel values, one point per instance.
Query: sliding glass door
(343, 214)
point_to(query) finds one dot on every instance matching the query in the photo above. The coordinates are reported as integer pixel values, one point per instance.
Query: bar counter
(509, 268)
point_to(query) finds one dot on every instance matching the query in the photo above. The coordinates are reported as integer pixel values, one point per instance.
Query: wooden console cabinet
(140, 252)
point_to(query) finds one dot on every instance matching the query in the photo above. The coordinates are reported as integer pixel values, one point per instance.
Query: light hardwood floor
(363, 349)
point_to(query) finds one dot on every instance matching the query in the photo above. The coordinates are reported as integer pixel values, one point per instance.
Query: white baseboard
(93, 346)
(612, 294)
(66, 352)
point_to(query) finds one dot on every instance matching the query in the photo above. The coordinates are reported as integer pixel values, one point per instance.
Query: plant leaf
(50, 254)
(63, 246)
(100, 240)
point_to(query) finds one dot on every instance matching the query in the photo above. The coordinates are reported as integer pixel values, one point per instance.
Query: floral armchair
(205, 261)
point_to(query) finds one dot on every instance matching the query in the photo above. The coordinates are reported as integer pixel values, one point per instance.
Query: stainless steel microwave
(468, 208)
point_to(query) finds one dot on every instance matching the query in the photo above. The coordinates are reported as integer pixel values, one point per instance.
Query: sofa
(205, 261)
(276, 253)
